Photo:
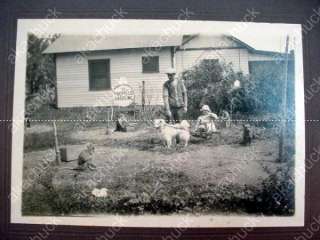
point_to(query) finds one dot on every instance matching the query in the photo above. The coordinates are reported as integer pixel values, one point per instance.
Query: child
(205, 123)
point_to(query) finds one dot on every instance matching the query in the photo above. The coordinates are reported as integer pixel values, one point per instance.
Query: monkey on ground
(121, 123)
(247, 135)
(85, 158)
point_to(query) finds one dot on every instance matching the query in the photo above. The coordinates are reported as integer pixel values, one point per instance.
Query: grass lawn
(142, 176)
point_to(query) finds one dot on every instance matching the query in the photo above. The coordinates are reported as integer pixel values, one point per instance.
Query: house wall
(73, 77)
(73, 72)
(212, 47)
(261, 57)
(185, 59)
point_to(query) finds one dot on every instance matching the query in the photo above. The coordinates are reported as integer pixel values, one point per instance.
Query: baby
(205, 123)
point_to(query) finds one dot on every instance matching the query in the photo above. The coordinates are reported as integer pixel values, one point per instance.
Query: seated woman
(205, 123)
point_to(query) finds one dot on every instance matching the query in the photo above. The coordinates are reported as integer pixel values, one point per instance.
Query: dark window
(210, 61)
(99, 75)
(150, 64)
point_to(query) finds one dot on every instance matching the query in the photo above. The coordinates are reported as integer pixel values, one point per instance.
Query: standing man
(174, 97)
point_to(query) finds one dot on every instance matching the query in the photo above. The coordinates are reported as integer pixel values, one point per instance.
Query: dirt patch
(141, 174)
(205, 163)
(99, 134)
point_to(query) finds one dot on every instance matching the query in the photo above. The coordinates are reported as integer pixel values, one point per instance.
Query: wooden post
(111, 117)
(282, 142)
(108, 118)
(231, 112)
(56, 144)
(143, 94)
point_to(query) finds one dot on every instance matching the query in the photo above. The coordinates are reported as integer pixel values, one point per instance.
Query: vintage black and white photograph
(155, 120)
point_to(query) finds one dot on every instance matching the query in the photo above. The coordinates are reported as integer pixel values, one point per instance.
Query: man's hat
(205, 108)
(170, 71)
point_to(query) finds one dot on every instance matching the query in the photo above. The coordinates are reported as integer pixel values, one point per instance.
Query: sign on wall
(123, 95)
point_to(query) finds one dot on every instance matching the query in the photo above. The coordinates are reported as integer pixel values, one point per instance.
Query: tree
(212, 82)
(268, 76)
(41, 74)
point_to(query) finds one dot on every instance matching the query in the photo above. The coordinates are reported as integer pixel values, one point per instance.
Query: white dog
(169, 132)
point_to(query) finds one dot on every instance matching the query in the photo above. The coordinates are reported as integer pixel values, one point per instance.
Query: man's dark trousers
(177, 114)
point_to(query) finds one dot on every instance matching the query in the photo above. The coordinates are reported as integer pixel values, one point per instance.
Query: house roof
(239, 42)
(81, 43)
(254, 50)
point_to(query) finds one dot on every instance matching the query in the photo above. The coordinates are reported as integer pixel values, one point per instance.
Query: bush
(212, 83)
(269, 78)
(276, 196)
(162, 190)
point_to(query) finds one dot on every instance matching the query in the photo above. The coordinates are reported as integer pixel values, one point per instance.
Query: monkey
(27, 117)
(121, 123)
(247, 135)
(85, 158)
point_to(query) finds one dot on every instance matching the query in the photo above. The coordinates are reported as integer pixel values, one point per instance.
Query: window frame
(92, 87)
(210, 59)
(157, 70)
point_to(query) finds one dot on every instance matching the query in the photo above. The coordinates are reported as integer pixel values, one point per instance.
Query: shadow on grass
(161, 190)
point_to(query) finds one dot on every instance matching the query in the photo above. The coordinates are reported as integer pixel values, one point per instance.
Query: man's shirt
(174, 91)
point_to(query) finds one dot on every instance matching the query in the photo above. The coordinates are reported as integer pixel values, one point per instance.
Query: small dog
(180, 131)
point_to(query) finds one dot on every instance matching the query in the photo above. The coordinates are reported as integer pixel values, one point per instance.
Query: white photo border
(87, 26)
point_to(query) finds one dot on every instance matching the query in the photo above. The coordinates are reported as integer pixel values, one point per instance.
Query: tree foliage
(41, 74)
(213, 83)
(268, 80)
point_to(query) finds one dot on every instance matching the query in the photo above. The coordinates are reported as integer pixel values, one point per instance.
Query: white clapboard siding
(185, 59)
(73, 77)
(73, 72)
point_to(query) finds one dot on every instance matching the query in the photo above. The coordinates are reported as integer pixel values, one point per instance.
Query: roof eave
(253, 50)
(98, 50)
(241, 43)
(273, 54)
